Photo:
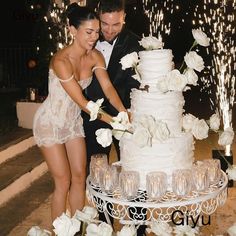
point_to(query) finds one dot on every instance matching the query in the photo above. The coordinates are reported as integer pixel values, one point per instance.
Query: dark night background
(24, 29)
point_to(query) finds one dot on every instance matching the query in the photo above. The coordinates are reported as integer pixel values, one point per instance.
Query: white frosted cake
(161, 145)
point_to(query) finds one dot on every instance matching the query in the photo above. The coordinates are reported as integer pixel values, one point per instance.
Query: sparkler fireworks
(218, 18)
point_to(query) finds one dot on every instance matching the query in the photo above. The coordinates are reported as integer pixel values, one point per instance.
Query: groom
(115, 42)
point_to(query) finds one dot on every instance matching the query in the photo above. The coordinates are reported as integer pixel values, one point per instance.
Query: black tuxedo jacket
(122, 80)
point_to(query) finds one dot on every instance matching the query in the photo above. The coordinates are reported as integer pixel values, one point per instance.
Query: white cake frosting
(167, 155)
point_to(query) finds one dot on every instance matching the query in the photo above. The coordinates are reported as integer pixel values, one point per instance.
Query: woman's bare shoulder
(97, 57)
(61, 65)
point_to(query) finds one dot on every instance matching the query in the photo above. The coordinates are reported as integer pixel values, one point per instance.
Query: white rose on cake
(129, 60)
(176, 81)
(200, 37)
(200, 129)
(151, 43)
(162, 132)
(194, 61)
(142, 137)
(188, 121)
(191, 76)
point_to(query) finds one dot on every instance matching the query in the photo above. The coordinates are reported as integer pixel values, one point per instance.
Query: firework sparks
(219, 21)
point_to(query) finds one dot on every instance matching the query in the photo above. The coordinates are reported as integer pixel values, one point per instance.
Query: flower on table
(94, 108)
(226, 137)
(102, 229)
(151, 43)
(186, 230)
(232, 230)
(160, 228)
(88, 214)
(37, 231)
(66, 226)
(127, 231)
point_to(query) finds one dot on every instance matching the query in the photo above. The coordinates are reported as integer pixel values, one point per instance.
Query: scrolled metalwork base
(141, 210)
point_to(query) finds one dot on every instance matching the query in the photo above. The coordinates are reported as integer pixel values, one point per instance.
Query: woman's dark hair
(77, 15)
(108, 6)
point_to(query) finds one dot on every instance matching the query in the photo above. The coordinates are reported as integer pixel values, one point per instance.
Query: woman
(58, 126)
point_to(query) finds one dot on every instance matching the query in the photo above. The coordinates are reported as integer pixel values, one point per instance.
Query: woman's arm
(106, 85)
(64, 71)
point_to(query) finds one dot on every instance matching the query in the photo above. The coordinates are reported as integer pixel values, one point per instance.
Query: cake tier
(155, 64)
(174, 153)
(167, 107)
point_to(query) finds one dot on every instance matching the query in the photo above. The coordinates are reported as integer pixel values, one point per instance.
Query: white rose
(104, 137)
(188, 121)
(91, 211)
(142, 137)
(200, 129)
(129, 60)
(191, 76)
(162, 132)
(160, 228)
(87, 214)
(92, 230)
(151, 43)
(215, 122)
(104, 229)
(200, 37)
(182, 230)
(226, 137)
(127, 231)
(93, 108)
(176, 81)
(162, 85)
(65, 226)
(232, 230)
(232, 173)
(148, 122)
(194, 61)
(36, 231)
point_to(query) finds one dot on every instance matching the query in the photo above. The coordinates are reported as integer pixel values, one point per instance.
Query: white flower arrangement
(176, 80)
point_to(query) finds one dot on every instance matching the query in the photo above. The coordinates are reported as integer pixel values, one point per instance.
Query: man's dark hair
(108, 6)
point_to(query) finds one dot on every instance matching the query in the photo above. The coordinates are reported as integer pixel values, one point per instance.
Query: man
(115, 42)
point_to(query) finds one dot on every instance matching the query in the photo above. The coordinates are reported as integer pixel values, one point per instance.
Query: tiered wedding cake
(157, 142)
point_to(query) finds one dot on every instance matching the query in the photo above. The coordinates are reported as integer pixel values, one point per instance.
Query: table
(25, 113)
(195, 204)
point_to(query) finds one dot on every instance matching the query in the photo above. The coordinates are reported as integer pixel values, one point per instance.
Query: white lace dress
(58, 119)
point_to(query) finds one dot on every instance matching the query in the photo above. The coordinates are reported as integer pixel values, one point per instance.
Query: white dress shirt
(106, 49)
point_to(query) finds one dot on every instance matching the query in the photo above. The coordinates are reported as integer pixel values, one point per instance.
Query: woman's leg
(76, 152)
(56, 159)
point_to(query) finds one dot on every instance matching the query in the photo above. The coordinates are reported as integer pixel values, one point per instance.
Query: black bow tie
(101, 39)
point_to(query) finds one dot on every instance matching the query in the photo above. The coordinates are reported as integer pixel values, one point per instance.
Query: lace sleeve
(98, 67)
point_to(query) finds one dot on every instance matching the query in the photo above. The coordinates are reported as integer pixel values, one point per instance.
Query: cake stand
(141, 210)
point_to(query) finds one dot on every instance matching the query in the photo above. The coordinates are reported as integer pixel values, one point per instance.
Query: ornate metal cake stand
(141, 210)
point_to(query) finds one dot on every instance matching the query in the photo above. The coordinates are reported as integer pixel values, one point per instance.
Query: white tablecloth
(25, 113)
